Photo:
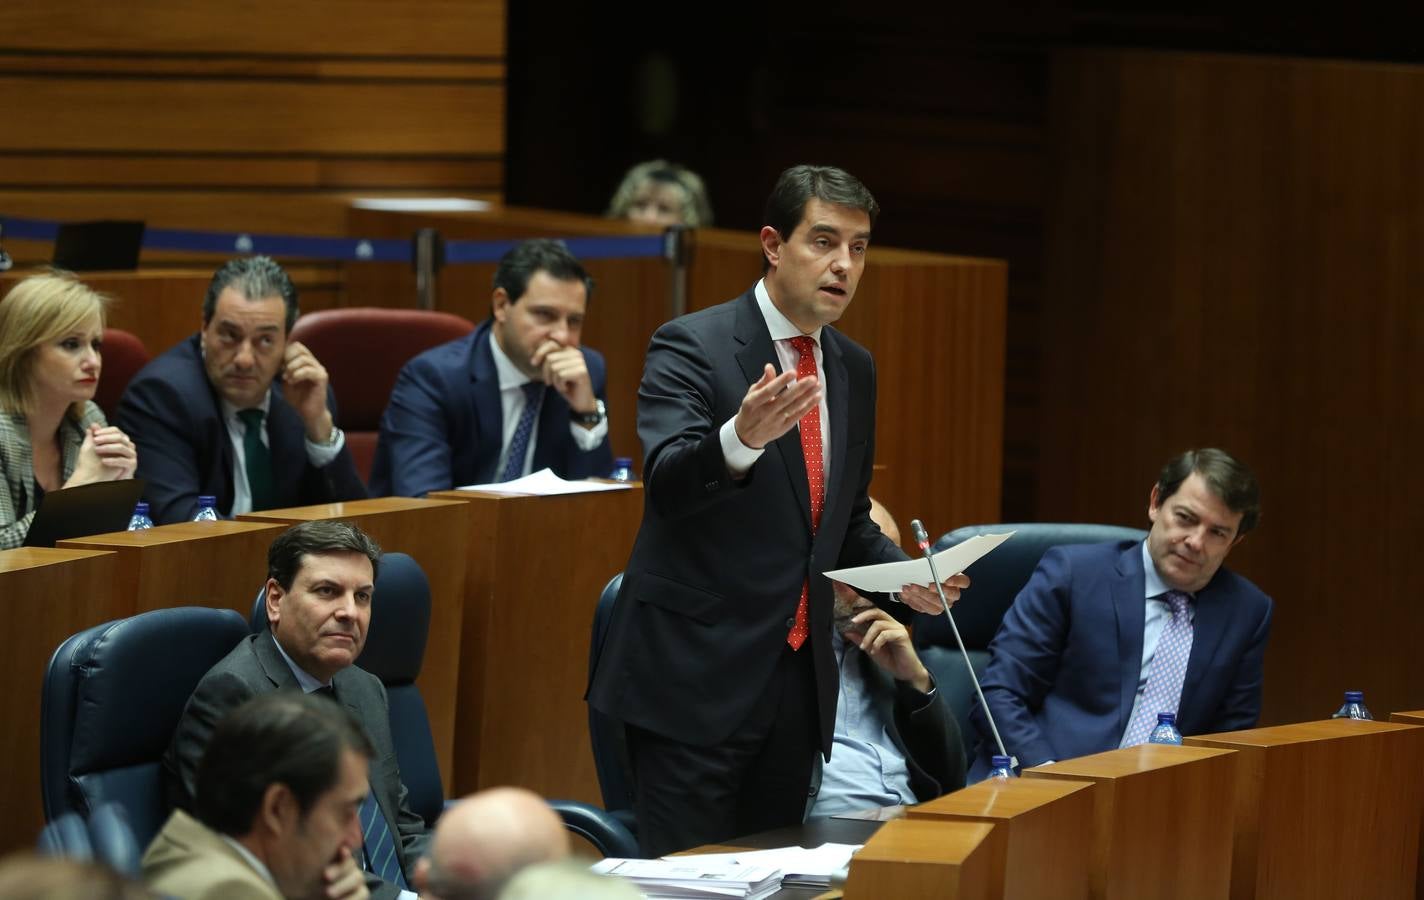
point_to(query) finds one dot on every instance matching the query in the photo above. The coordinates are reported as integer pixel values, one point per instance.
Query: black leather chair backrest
(112, 696)
(606, 734)
(394, 653)
(996, 581)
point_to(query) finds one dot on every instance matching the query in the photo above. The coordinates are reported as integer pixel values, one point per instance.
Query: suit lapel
(756, 351)
(489, 413)
(264, 647)
(1130, 604)
(1210, 617)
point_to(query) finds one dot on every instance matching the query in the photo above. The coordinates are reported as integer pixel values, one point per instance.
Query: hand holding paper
(898, 576)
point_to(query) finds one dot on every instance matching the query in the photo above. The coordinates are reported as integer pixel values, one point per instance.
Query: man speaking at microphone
(757, 421)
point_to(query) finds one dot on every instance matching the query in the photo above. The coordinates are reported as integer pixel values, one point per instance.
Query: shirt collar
(781, 328)
(305, 681)
(230, 412)
(251, 858)
(1153, 582)
(509, 375)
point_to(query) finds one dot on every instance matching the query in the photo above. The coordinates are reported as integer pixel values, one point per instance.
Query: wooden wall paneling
(48, 595)
(433, 532)
(425, 28)
(1232, 263)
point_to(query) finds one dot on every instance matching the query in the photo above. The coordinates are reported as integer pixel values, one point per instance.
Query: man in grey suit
(319, 587)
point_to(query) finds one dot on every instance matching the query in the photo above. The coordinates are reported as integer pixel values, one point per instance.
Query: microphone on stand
(922, 539)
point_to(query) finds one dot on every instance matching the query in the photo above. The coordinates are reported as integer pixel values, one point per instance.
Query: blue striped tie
(381, 858)
(519, 444)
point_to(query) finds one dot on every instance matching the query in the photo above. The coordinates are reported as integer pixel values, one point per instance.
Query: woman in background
(52, 434)
(658, 192)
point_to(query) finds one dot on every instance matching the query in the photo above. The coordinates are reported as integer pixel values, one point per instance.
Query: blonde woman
(658, 192)
(52, 434)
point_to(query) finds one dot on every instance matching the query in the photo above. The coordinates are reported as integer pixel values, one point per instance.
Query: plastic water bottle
(1001, 767)
(207, 509)
(622, 469)
(1354, 707)
(1166, 731)
(140, 520)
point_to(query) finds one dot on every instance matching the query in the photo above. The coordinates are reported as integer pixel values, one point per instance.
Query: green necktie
(260, 482)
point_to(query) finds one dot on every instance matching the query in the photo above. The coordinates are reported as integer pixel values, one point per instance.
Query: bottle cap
(999, 762)
(1354, 696)
(141, 508)
(205, 500)
(622, 462)
(1166, 718)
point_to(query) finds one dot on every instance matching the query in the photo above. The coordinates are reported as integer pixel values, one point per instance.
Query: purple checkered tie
(519, 444)
(1164, 677)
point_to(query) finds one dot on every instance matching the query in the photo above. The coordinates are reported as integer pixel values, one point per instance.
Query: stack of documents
(693, 877)
(811, 867)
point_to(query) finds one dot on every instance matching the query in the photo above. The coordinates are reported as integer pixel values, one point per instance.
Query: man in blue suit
(516, 395)
(1105, 636)
(239, 411)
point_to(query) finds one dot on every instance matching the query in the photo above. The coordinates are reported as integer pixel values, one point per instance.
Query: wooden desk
(433, 532)
(216, 564)
(1042, 841)
(924, 859)
(48, 596)
(1326, 809)
(1160, 816)
(1414, 717)
(535, 568)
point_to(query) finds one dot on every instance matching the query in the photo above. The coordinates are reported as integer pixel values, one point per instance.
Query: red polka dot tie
(810, 426)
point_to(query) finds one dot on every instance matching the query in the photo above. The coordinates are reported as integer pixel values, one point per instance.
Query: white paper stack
(692, 877)
(800, 866)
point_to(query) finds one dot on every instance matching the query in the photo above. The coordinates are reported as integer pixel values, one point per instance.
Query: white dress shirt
(319, 455)
(1154, 622)
(511, 400)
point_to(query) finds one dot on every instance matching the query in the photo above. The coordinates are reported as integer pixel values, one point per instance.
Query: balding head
(484, 839)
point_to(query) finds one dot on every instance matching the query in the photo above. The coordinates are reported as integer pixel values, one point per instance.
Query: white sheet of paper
(803, 862)
(895, 575)
(544, 483)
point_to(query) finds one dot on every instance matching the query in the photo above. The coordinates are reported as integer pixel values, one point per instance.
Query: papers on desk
(691, 877)
(750, 873)
(544, 483)
(887, 577)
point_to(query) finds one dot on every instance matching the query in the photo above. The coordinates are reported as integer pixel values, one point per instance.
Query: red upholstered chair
(124, 355)
(363, 349)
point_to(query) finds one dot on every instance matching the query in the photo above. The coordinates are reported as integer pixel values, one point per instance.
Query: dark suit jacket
(171, 411)
(925, 733)
(716, 570)
(444, 424)
(256, 666)
(1064, 666)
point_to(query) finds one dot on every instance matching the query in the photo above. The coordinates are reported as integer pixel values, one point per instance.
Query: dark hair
(539, 255)
(256, 278)
(798, 184)
(282, 737)
(284, 557)
(1226, 476)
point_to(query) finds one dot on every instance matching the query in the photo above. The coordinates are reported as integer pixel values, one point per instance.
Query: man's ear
(274, 603)
(771, 245)
(1153, 505)
(278, 813)
(500, 304)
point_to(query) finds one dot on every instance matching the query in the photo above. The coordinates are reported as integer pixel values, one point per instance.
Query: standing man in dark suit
(758, 424)
(516, 395)
(320, 578)
(237, 411)
(1105, 636)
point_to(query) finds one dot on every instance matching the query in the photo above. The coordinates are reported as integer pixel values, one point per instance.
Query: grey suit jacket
(256, 666)
(190, 861)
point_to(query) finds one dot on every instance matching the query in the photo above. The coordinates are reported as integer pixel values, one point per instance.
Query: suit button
(791, 622)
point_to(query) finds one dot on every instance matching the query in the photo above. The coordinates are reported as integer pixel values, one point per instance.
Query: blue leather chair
(610, 747)
(111, 698)
(997, 580)
(394, 652)
(107, 838)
